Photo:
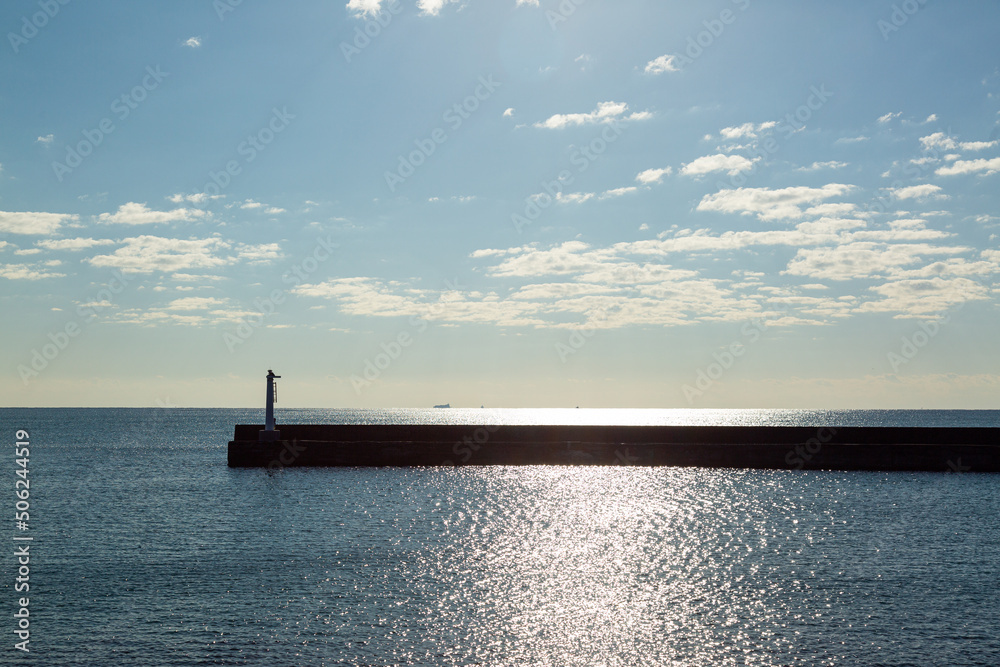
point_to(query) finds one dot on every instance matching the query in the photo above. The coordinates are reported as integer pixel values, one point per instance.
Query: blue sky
(509, 203)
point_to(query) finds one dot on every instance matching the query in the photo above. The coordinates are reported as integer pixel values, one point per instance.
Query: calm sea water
(148, 550)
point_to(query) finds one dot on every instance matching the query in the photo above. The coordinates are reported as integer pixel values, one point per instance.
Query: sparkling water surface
(148, 550)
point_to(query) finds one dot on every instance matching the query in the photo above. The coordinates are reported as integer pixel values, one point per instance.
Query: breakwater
(940, 449)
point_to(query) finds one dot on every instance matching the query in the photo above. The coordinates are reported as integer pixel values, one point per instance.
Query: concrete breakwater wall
(772, 447)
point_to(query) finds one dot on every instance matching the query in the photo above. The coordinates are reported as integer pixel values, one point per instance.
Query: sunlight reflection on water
(153, 552)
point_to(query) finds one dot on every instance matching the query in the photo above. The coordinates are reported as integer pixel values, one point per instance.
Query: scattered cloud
(731, 164)
(662, 64)
(195, 303)
(27, 272)
(196, 198)
(509, 112)
(73, 244)
(259, 254)
(145, 254)
(618, 192)
(364, 7)
(433, 7)
(970, 167)
(888, 117)
(940, 140)
(47, 139)
(746, 130)
(919, 192)
(193, 42)
(606, 112)
(862, 259)
(770, 204)
(977, 145)
(134, 213)
(24, 222)
(817, 166)
(851, 140)
(653, 175)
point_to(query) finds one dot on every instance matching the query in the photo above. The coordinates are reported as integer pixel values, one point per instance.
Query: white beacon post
(269, 434)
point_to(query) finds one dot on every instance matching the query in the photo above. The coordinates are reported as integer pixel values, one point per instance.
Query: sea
(146, 549)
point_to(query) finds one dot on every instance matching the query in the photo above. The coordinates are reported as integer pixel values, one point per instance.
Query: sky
(511, 203)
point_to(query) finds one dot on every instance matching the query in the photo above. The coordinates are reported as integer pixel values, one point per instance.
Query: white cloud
(746, 130)
(851, 140)
(574, 197)
(816, 166)
(653, 175)
(193, 42)
(631, 284)
(618, 192)
(662, 64)
(365, 7)
(195, 303)
(605, 112)
(259, 254)
(250, 203)
(732, 164)
(770, 204)
(932, 118)
(938, 140)
(970, 167)
(47, 139)
(977, 145)
(196, 198)
(888, 117)
(145, 254)
(861, 259)
(530, 3)
(25, 222)
(26, 272)
(509, 112)
(924, 297)
(919, 192)
(134, 213)
(433, 7)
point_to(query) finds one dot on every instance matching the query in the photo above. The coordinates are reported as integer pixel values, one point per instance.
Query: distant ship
(446, 405)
